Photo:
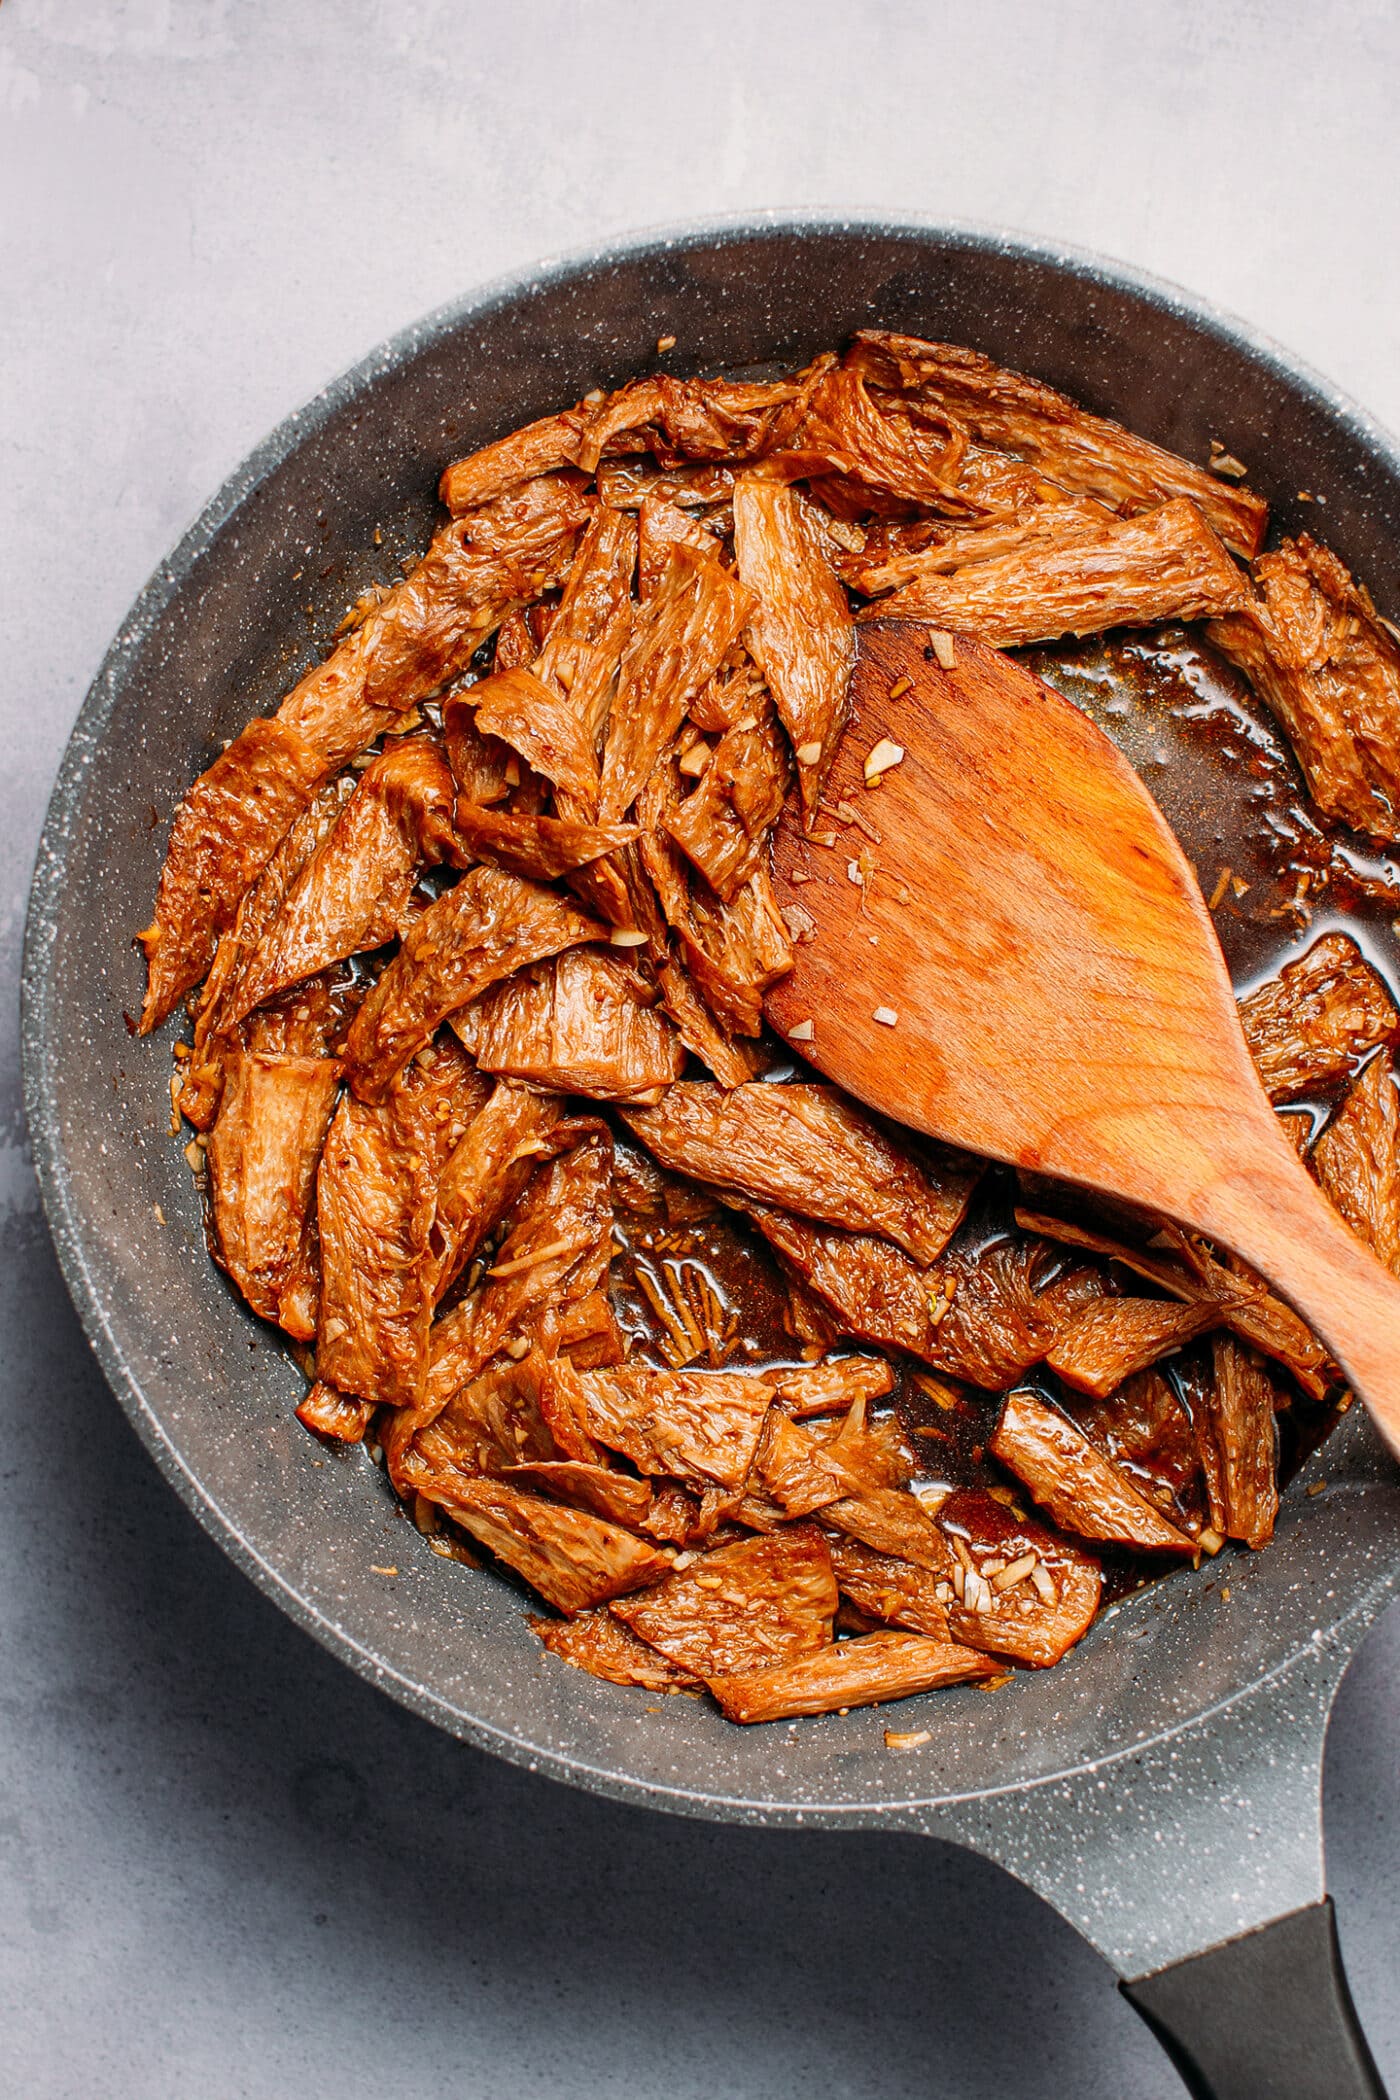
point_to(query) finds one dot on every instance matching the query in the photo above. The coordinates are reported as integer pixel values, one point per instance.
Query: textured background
(226, 1866)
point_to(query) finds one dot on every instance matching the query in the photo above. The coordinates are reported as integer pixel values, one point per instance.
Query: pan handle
(1264, 2016)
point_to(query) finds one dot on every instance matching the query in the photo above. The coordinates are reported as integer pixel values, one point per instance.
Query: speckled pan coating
(1161, 1785)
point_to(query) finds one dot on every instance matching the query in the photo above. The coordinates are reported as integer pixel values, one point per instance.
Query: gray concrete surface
(228, 1868)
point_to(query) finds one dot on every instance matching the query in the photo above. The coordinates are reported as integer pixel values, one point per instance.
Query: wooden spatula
(1023, 965)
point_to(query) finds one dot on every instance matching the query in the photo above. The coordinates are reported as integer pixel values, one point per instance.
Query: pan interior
(218, 636)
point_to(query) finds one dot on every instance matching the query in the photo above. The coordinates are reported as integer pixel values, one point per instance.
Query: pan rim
(64, 1218)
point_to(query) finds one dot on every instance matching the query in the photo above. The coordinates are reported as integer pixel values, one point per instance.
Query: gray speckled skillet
(1161, 1787)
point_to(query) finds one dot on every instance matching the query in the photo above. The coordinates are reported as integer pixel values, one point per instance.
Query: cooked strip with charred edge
(744, 1607)
(1083, 1491)
(699, 1426)
(574, 1560)
(335, 1415)
(801, 631)
(1014, 413)
(541, 447)
(679, 640)
(582, 1023)
(490, 925)
(1357, 1160)
(539, 848)
(1035, 1625)
(487, 1170)
(830, 1388)
(262, 1156)
(1239, 1445)
(1164, 565)
(1311, 645)
(807, 1149)
(1314, 1023)
(1109, 1340)
(863, 1672)
(598, 1642)
(542, 726)
(352, 892)
(225, 831)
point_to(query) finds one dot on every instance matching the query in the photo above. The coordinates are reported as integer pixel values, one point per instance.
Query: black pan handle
(1264, 2017)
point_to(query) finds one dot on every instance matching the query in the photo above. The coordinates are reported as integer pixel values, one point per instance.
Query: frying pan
(1162, 1786)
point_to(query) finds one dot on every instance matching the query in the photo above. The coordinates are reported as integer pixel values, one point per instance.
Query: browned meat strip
(334, 1414)
(830, 1388)
(1084, 1492)
(798, 1472)
(536, 448)
(1313, 1024)
(1109, 1340)
(585, 643)
(1317, 655)
(573, 1559)
(1239, 1446)
(723, 825)
(678, 641)
(353, 891)
(1084, 452)
(895, 1523)
(891, 444)
(484, 768)
(541, 724)
(733, 952)
(487, 927)
(583, 1023)
(556, 1252)
(988, 1320)
(801, 632)
(376, 1194)
(598, 1642)
(616, 1496)
(496, 1420)
(875, 1291)
(744, 1607)
(1034, 1618)
(690, 419)
(1146, 1432)
(539, 848)
(807, 1149)
(1054, 520)
(425, 630)
(262, 1157)
(487, 1171)
(224, 833)
(863, 1672)
(1165, 565)
(731, 1062)
(660, 527)
(1357, 1160)
(892, 1590)
(697, 1426)
(626, 483)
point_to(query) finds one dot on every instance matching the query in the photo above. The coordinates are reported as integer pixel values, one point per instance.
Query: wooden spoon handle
(1285, 1227)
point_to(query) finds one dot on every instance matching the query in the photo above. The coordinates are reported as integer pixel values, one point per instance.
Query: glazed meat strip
(864, 1672)
(1239, 1445)
(893, 1591)
(262, 1156)
(338, 1416)
(806, 1149)
(1108, 1341)
(832, 1387)
(744, 1607)
(1357, 1161)
(1082, 1490)
(732, 1062)
(1166, 564)
(353, 892)
(376, 1199)
(1019, 1590)
(417, 636)
(488, 1170)
(1147, 1435)
(537, 448)
(224, 833)
(692, 419)
(1309, 641)
(214, 1032)
(696, 1426)
(584, 647)
(1049, 517)
(539, 848)
(679, 640)
(873, 1290)
(1313, 1024)
(486, 928)
(722, 826)
(801, 632)
(519, 709)
(660, 527)
(555, 1252)
(1087, 453)
(733, 952)
(584, 1022)
(572, 1559)
(893, 444)
(598, 1642)
(624, 484)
